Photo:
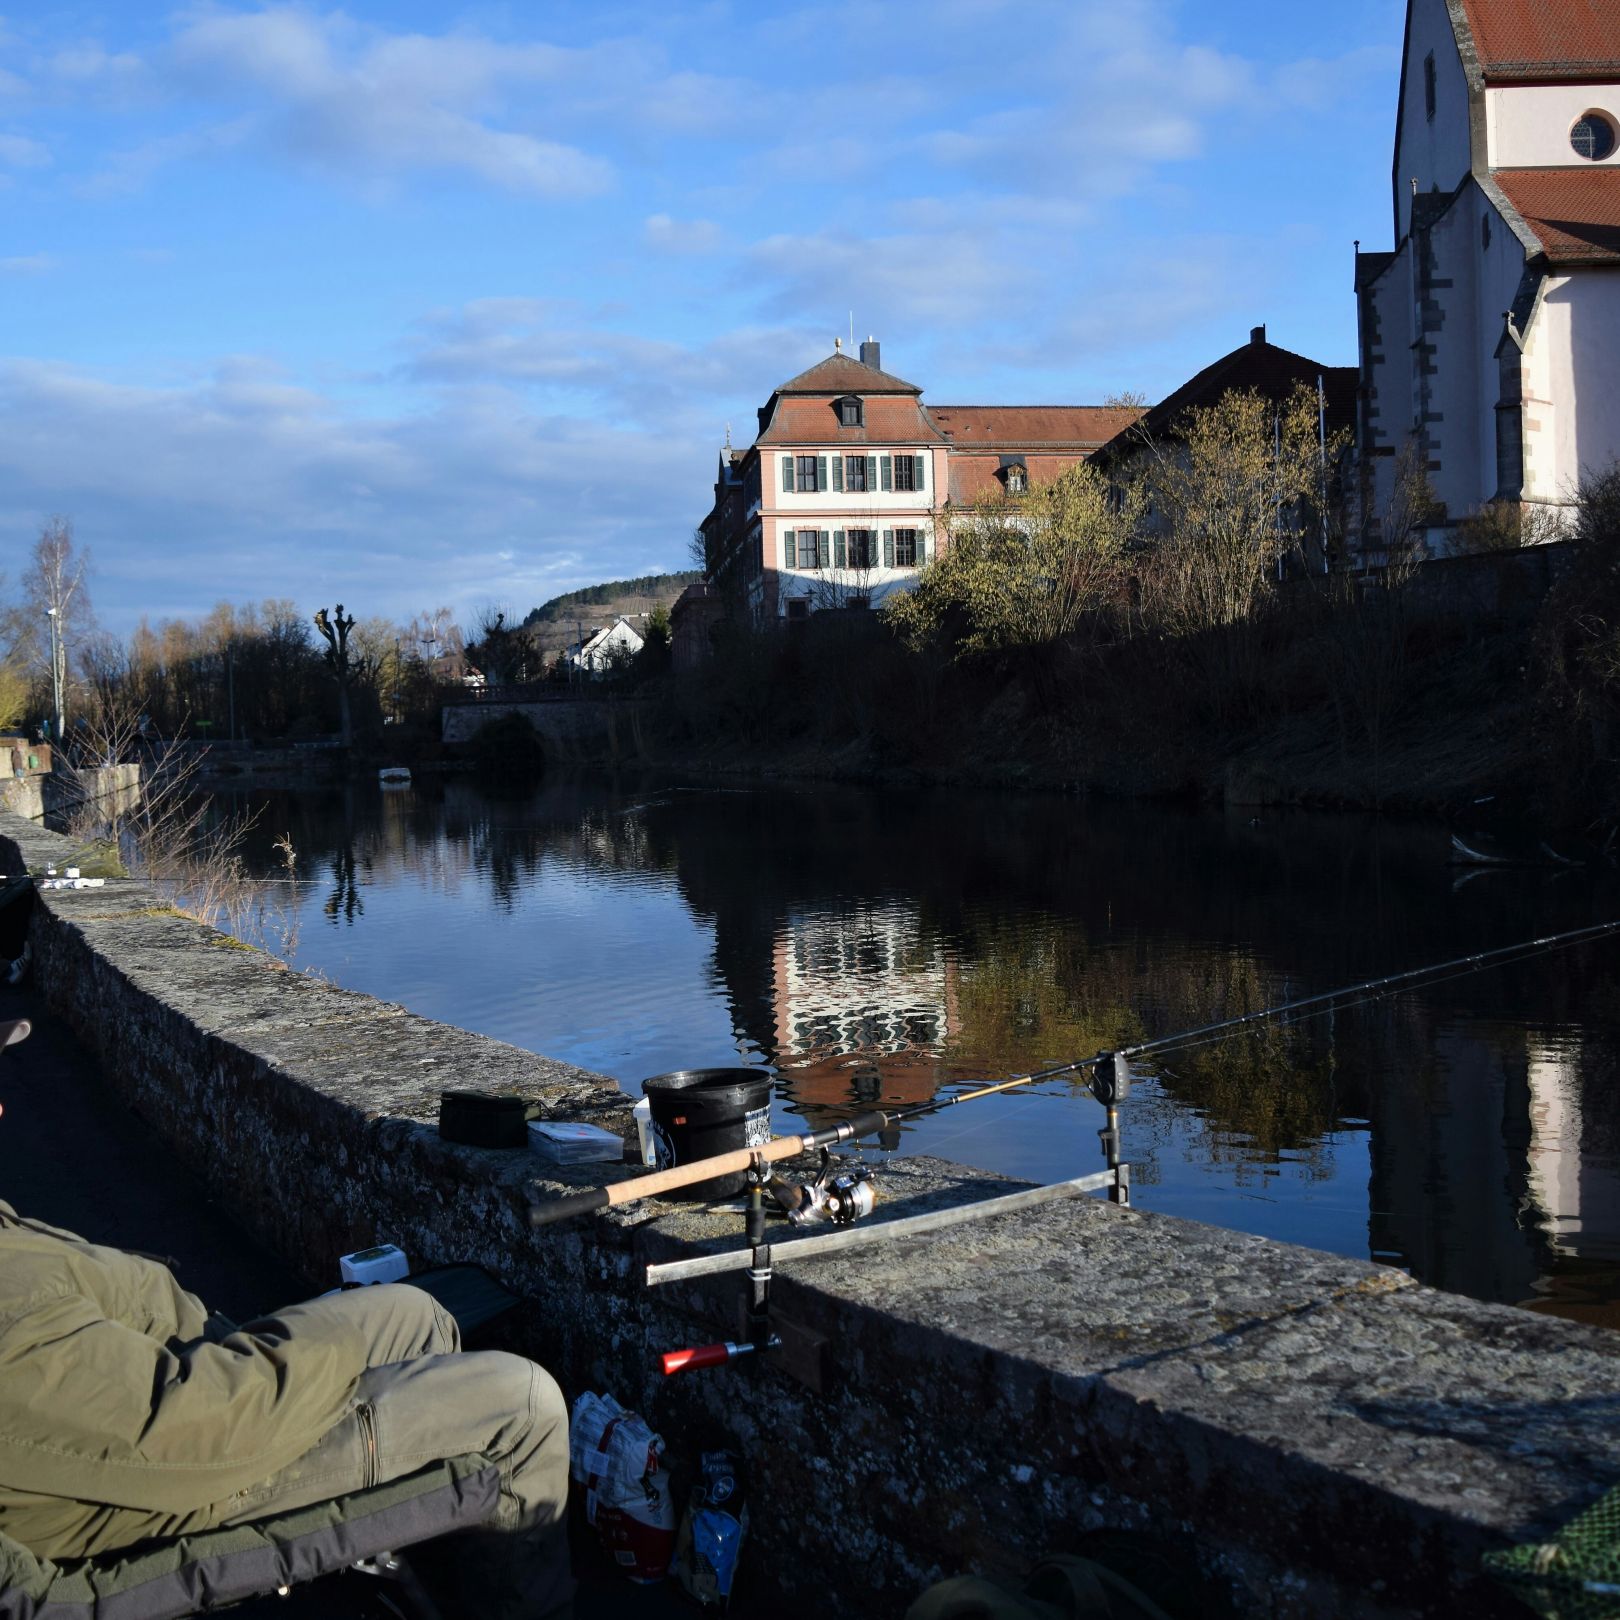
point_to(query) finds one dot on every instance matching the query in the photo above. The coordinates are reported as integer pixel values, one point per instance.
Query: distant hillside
(557, 623)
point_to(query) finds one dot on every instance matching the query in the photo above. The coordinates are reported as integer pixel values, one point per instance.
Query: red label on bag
(641, 1550)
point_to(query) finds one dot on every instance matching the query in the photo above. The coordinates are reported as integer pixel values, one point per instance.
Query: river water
(877, 946)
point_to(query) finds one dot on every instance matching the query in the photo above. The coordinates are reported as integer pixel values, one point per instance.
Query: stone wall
(108, 789)
(1324, 1433)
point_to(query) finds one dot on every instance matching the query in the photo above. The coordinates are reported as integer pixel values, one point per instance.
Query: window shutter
(822, 549)
(838, 548)
(888, 472)
(871, 473)
(919, 481)
(787, 475)
(788, 539)
(888, 548)
(821, 472)
(922, 547)
(838, 472)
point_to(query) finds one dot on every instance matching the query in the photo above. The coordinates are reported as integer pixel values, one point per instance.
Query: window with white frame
(806, 468)
(905, 548)
(905, 473)
(861, 545)
(855, 474)
(809, 548)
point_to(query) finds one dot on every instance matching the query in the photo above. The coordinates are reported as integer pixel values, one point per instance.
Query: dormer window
(850, 413)
(1015, 475)
(1593, 137)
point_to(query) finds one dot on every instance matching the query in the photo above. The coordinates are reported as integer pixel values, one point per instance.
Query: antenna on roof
(728, 435)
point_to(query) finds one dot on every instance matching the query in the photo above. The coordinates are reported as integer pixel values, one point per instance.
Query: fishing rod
(1109, 1083)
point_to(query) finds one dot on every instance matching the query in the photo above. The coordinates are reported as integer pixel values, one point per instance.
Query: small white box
(568, 1142)
(383, 1264)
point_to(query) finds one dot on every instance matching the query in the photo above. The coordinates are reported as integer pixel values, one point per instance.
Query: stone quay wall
(1326, 1436)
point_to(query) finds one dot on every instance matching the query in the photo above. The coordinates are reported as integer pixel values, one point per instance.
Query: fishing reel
(842, 1196)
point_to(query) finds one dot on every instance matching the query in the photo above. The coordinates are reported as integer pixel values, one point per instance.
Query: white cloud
(22, 153)
(669, 235)
(326, 92)
(28, 264)
(243, 483)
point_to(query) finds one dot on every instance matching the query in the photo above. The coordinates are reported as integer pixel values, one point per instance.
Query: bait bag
(712, 1530)
(614, 1457)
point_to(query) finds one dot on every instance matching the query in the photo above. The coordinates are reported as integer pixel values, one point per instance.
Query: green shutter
(823, 549)
(838, 548)
(919, 479)
(888, 472)
(788, 539)
(888, 548)
(922, 547)
(787, 475)
(838, 473)
(871, 474)
(821, 472)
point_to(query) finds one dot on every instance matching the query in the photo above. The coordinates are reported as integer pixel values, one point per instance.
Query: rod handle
(559, 1209)
(702, 1355)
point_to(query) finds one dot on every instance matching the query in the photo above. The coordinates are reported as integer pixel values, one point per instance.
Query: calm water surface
(877, 946)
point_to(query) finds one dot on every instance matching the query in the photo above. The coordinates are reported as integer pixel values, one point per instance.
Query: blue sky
(409, 304)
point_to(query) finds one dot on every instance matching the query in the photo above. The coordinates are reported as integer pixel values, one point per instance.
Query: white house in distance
(1490, 335)
(612, 645)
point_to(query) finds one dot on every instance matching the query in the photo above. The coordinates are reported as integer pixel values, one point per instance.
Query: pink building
(847, 490)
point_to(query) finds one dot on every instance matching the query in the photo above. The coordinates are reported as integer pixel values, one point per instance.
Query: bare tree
(57, 612)
(335, 632)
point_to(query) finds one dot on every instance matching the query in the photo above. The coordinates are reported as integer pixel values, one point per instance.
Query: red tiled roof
(1545, 39)
(839, 374)
(1015, 427)
(889, 420)
(974, 475)
(1575, 213)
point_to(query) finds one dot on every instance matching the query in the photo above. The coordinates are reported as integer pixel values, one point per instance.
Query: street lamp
(56, 674)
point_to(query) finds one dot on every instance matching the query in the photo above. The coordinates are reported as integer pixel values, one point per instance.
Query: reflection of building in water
(862, 1005)
(1447, 1160)
(1573, 1182)
(1491, 1165)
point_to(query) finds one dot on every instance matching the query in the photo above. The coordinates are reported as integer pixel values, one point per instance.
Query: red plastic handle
(702, 1355)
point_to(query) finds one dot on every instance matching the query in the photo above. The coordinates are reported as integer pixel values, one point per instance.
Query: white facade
(611, 646)
(1490, 337)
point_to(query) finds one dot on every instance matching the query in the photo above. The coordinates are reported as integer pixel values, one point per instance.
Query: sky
(409, 304)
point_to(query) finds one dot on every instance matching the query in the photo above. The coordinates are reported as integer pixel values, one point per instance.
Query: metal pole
(854, 1237)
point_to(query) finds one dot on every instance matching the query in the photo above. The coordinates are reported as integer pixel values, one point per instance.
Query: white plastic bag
(615, 1457)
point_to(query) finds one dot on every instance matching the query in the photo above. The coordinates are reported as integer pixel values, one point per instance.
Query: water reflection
(879, 946)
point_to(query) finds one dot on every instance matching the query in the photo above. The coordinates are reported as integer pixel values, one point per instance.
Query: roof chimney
(872, 354)
(1257, 334)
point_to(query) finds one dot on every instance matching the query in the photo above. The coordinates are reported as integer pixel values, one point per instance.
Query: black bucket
(697, 1113)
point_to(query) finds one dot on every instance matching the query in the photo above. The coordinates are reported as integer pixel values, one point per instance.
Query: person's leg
(397, 1322)
(423, 1407)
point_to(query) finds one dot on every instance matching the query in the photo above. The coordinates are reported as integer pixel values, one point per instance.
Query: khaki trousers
(422, 1400)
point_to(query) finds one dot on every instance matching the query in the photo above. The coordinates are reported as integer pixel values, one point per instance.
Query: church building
(1490, 335)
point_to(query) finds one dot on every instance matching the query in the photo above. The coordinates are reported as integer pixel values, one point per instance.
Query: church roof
(840, 374)
(1260, 367)
(1545, 39)
(1574, 213)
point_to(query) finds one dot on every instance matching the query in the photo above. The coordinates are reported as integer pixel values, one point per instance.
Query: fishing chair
(163, 1580)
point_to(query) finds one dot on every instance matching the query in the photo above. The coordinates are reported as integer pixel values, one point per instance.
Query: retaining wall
(1327, 1434)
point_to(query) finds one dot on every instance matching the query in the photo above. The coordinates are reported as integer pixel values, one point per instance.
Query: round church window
(1593, 137)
